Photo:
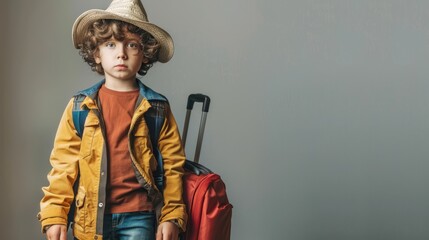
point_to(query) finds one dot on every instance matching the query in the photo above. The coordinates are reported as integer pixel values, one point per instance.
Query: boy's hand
(57, 232)
(167, 231)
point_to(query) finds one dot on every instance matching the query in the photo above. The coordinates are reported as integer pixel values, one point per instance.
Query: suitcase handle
(198, 97)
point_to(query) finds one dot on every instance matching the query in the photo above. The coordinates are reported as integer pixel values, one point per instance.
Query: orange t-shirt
(124, 193)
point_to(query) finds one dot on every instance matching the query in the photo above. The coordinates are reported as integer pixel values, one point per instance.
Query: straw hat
(130, 11)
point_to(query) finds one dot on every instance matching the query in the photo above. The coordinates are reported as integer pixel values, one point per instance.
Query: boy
(114, 159)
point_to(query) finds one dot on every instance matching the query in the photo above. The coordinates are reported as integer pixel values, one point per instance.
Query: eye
(110, 44)
(133, 45)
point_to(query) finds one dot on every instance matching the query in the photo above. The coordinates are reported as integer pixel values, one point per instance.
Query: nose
(122, 54)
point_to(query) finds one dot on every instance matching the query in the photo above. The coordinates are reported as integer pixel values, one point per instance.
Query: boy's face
(121, 60)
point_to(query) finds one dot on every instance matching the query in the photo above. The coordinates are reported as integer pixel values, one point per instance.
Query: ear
(97, 56)
(145, 60)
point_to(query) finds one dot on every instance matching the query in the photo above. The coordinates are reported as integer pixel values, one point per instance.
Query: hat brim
(85, 20)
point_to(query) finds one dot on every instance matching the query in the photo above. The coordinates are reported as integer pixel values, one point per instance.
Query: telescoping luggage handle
(206, 105)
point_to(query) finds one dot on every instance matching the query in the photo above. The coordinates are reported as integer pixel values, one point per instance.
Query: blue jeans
(129, 226)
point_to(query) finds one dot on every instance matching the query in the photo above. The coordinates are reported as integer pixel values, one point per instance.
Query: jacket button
(100, 205)
(96, 237)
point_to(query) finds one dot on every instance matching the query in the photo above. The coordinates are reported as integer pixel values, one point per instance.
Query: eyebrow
(125, 39)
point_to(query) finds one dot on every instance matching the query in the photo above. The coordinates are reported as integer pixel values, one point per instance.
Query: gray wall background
(319, 117)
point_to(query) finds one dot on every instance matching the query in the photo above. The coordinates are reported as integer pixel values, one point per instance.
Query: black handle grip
(198, 98)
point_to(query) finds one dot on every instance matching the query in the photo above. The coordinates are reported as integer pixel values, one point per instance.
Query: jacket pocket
(79, 219)
(141, 138)
(143, 146)
(91, 124)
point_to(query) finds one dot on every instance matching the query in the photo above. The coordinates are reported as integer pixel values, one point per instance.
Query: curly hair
(103, 30)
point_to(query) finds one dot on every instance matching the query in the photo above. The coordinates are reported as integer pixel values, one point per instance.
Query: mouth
(121, 66)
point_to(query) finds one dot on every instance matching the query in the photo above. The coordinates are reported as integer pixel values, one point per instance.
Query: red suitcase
(205, 196)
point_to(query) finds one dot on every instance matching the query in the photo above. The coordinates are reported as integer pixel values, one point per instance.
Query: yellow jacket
(87, 155)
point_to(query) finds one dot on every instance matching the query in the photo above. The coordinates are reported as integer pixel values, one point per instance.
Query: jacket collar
(145, 91)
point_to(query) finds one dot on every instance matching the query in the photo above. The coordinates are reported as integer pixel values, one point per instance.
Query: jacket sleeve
(173, 156)
(58, 196)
